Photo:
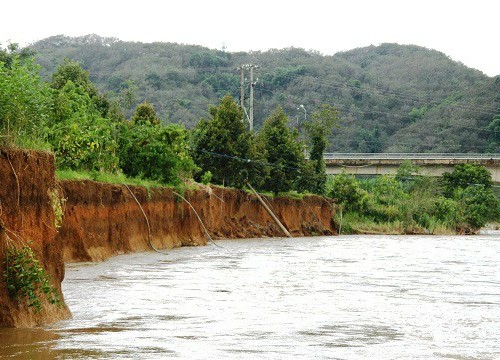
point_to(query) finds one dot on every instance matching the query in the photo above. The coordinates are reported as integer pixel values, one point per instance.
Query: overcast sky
(467, 31)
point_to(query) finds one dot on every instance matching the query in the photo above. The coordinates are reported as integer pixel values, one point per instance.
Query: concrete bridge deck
(432, 164)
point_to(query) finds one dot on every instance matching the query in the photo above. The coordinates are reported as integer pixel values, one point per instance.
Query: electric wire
(239, 158)
(483, 109)
(352, 112)
(471, 147)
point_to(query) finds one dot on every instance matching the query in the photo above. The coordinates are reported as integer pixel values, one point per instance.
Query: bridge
(431, 164)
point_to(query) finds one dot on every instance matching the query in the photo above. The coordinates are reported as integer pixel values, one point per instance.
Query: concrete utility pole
(242, 87)
(242, 90)
(251, 97)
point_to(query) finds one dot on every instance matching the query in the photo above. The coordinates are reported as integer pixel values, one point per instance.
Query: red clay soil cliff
(27, 217)
(103, 220)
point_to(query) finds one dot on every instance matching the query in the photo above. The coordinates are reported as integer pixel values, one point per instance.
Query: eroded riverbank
(74, 221)
(102, 220)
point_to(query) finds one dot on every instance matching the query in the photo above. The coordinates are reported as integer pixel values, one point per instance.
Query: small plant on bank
(206, 178)
(26, 278)
(57, 203)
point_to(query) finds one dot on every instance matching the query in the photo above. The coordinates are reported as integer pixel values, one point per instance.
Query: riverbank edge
(27, 218)
(101, 220)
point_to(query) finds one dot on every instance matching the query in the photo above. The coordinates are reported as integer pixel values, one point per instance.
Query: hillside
(391, 97)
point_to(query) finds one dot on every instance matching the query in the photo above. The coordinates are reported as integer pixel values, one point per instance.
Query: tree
(83, 128)
(223, 146)
(479, 206)
(25, 101)
(470, 185)
(345, 190)
(155, 152)
(284, 153)
(318, 128)
(465, 175)
(81, 138)
(7, 56)
(494, 138)
(145, 114)
(72, 71)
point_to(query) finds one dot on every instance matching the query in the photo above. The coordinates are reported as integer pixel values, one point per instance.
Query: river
(346, 297)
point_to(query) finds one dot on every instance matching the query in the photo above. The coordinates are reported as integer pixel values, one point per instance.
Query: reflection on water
(348, 297)
(26, 344)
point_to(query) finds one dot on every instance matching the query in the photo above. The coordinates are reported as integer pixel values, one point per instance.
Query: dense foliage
(285, 153)
(84, 129)
(460, 201)
(153, 151)
(24, 99)
(223, 147)
(390, 97)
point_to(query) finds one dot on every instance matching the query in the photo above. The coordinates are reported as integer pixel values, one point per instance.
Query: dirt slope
(102, 220)
(27, 217)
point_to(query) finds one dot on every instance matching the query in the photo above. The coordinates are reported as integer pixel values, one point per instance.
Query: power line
(411, 144)
(351, 86)
(485, 110)
(350, 111)
(367, 88)
(234, 157)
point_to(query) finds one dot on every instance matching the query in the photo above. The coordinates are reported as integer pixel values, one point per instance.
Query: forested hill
(391, 97)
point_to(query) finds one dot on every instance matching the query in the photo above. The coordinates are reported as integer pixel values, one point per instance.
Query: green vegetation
(494, 135)
(284, 151)
(57, 202)
(223, 147)
(86, 131)
(391, 98)
(111, 178)
(461, 201)
(318, 128)
(24, 101)
(26, 278)
(153, 151)
(93, 139)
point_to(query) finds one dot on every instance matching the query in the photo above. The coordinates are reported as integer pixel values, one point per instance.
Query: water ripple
(349, 297)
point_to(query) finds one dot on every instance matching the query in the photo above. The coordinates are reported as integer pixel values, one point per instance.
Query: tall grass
(354, 223)
(106, 178)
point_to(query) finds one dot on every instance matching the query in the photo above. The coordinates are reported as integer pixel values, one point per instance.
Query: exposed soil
(26, 217)
(102, 220)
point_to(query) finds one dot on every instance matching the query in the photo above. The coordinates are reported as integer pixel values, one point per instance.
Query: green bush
(347, 192)
(155, 152)
(26, 278)
(206, 177)
(416, 203)
(479, 205)
(25, 101)
(465, 175)
(448, 211)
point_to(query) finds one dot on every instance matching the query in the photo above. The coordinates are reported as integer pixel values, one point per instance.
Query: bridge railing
(409, 156)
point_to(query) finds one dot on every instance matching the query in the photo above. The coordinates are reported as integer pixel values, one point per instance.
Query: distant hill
(391, 97)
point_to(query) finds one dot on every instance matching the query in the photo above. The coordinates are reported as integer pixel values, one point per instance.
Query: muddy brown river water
(347, 297)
